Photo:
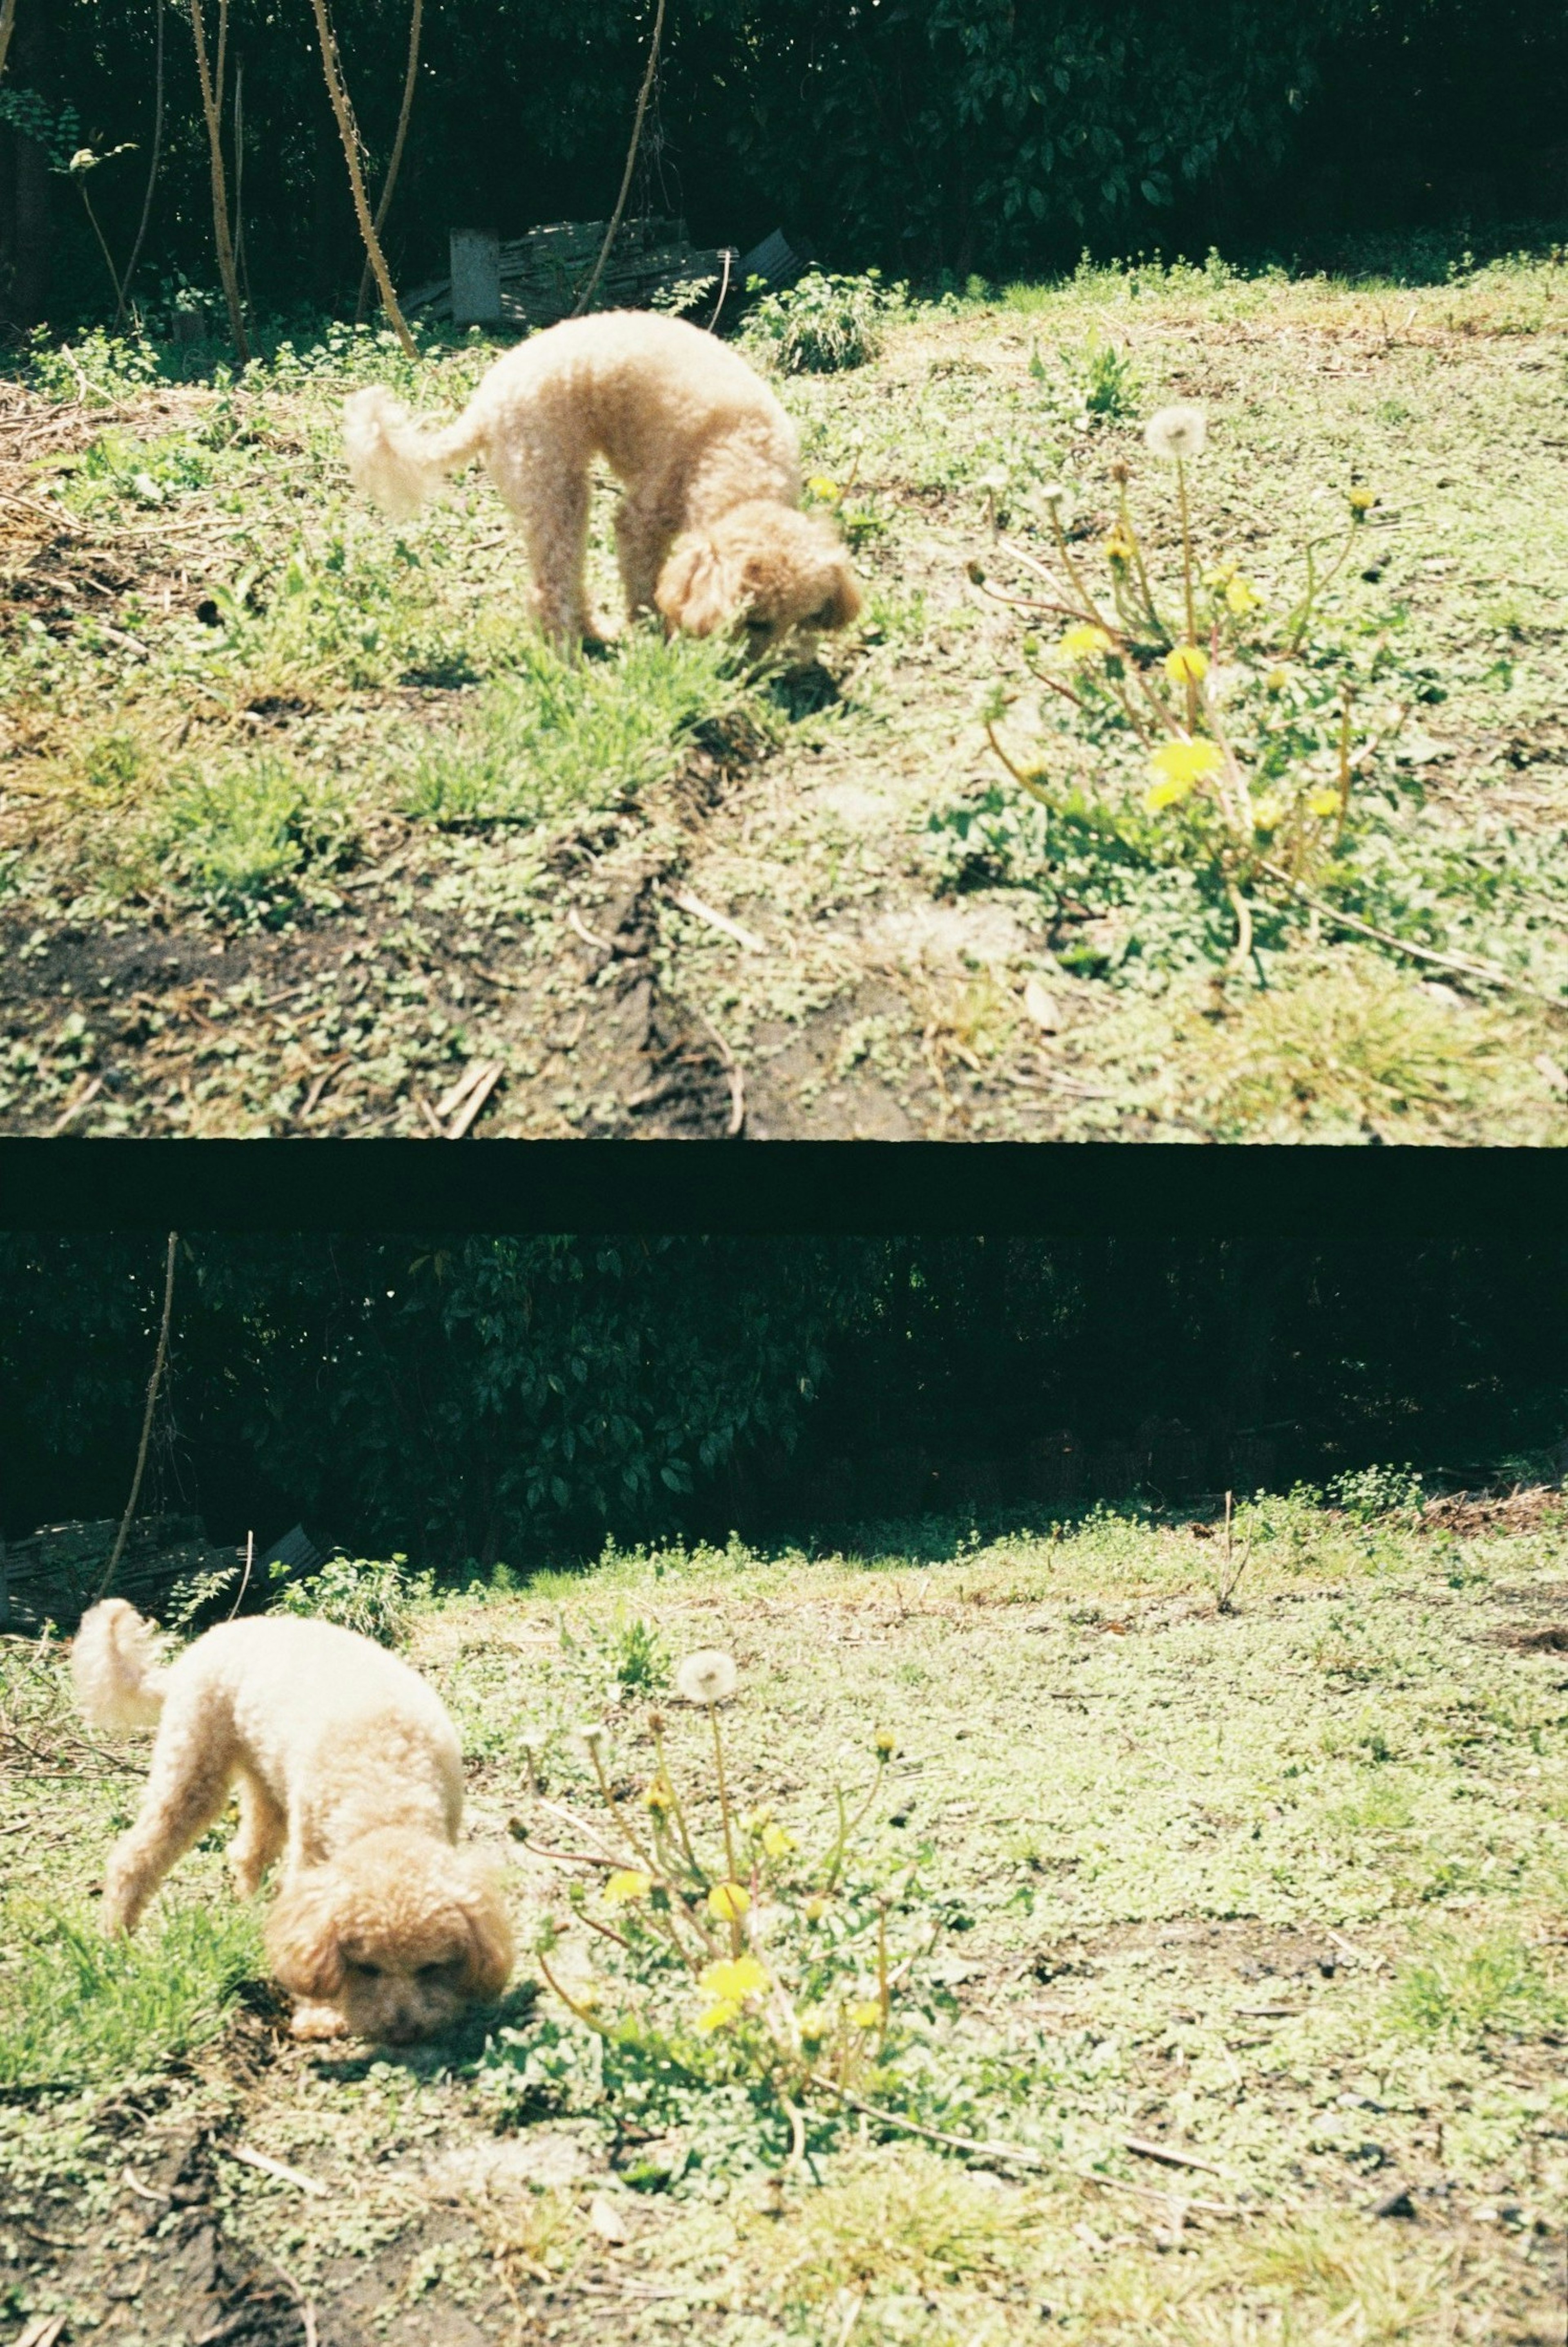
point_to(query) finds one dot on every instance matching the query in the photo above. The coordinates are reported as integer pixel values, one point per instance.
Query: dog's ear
(844, 606)
(490, 1942)
(301, 1938)
(696, 591)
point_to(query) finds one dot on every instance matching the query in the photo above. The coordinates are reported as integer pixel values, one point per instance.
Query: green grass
(554, 734)
(76, 2008)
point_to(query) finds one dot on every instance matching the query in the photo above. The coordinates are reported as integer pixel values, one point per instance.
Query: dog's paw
(317, 2020)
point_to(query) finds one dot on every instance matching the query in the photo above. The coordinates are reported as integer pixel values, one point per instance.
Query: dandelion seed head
(707, 1676)
(1179, 432)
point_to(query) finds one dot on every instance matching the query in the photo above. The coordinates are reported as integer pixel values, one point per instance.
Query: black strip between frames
(1085, 1190)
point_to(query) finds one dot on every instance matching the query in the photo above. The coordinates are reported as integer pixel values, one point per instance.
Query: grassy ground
(1277, 1891)
(297, 824)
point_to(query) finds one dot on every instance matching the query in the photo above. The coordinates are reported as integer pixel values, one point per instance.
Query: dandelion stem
(724, 1798)
(1144, 587)
(1486, 971)
(1186, 551)
(1090, 606)
(1345, 699)
(1026, 781)
(675, 1810)
(611, 1804)
(570, 2002)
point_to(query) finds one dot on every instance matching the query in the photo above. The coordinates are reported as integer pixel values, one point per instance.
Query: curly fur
(709, 529)
(348, 1771)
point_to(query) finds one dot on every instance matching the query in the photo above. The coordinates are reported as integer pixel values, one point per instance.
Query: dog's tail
(116, 1667)
(391, 460)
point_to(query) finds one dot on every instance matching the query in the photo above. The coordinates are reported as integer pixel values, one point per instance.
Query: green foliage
(760, 1972)
(117, 466)
(539, 1383)
(1243, 718)
(555, 733)
(246, 840)
(1105, 379)
(638, 1658)
(1467, 1992)
(1370, 1494)
(822, 323)
(97, 368)
(374, 1597)
(75, 2007)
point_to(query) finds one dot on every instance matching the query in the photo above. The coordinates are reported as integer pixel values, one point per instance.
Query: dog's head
(399, 1932)
(778, 572)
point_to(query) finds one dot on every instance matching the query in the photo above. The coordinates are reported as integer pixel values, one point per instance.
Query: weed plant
(822, 324)
(761, 1970)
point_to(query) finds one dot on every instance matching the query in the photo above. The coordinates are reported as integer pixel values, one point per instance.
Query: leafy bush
(374, 1597)
(1368, 1492)
(822, 324)
(75, 2007)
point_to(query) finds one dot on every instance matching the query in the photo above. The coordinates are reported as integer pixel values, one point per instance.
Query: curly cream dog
(709, 529)
(349, 1770)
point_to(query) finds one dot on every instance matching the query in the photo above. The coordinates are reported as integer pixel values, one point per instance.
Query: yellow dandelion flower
(1085, 643)
(733, 1980)
(656, 1797)
(1276, 677)
(778, 1841)
(1161, 795)
(1119, 549)
(1324, 801)
(1242, 597)
(1185, 762)
(866, 2016)
(886, 1744)
(821, 486)
(729, 1902)
(627, 1885)
(719, 2015)
(815, 1909)
(1361, 502)
(1187, 664)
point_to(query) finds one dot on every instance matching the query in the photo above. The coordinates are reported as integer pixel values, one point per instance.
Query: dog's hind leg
(187, 1787)
(549, 495)
(264, 1829)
